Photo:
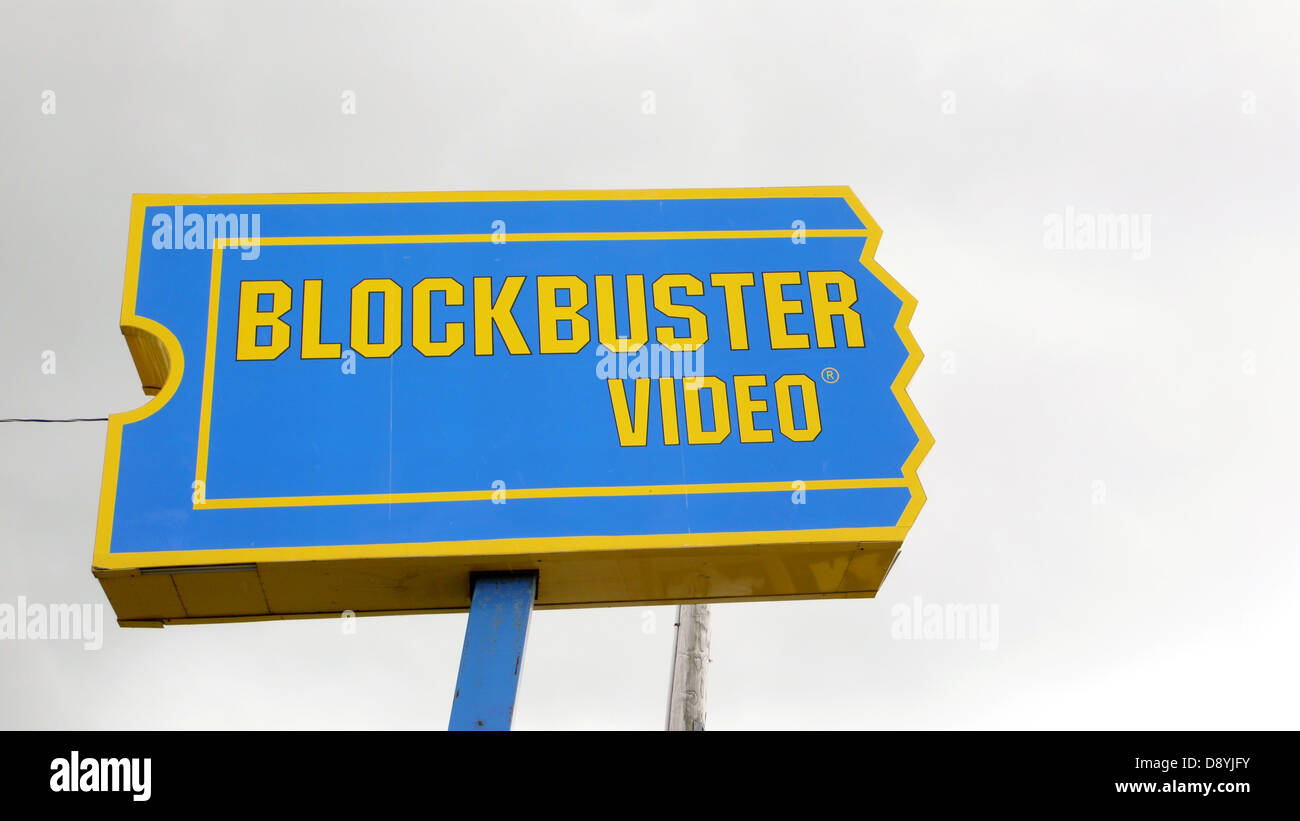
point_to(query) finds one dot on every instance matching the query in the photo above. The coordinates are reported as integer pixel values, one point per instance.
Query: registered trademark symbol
(830, 375)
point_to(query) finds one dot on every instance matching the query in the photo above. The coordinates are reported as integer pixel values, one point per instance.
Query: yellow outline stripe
(506, 237)
(209, 367)
(205, 412)
(545, 493)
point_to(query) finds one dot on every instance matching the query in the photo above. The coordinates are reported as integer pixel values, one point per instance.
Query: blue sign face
(381, 375)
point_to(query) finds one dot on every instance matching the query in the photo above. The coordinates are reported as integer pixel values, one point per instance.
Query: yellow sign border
(133, 324)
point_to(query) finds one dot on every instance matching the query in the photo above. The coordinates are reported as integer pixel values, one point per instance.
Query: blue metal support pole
(499, 610)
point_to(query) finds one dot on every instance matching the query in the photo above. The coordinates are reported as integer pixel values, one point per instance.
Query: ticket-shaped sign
(360, 400)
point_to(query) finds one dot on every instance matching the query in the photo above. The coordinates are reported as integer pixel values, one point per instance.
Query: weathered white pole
(688, 698)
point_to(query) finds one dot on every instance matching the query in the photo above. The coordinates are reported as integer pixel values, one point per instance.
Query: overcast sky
(1115, 428)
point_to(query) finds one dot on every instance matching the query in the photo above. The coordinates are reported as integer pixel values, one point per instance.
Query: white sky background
(1172, 380)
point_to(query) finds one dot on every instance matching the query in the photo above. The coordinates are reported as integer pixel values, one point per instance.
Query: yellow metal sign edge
(132, 324)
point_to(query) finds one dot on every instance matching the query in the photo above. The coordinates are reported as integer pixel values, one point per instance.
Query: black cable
(76, 419)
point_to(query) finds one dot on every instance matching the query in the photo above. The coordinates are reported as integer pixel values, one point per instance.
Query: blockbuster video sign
(359, 400)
